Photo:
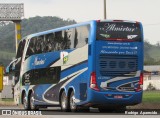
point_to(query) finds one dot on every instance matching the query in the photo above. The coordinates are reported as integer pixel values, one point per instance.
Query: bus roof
(60, 28)
(74, 25)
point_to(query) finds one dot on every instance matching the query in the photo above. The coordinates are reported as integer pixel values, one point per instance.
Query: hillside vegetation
(151, 54)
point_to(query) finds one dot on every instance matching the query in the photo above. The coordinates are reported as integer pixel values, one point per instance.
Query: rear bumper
(96, 98)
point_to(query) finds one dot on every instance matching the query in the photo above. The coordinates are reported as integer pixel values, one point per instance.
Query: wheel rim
(24, 101)
(32, 101)
(72, 102)
(63, 101)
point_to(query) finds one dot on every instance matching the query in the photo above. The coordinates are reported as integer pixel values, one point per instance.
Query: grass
(7, 102)
(151, 97)
(7, 55)
(7, 99)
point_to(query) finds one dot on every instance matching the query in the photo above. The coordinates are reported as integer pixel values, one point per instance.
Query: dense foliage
(151, 54)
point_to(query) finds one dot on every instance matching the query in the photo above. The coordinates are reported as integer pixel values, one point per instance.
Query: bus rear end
(117, 79)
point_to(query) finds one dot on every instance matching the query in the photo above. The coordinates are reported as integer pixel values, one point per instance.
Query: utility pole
(105, 13)
(17, 32)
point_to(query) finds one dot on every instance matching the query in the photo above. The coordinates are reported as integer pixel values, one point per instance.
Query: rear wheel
(74, 107)
(32, 104)
(64, 102)
(26, 104)
(72, 103)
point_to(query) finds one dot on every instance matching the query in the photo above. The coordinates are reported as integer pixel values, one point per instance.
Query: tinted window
(118, 31)
(68, 36)
(42, 76)
(39, 44)
(67, 39)
(20, 49)
(61, 40)
(81, 36)
(31, 48)
(19, 57)
(49, 43)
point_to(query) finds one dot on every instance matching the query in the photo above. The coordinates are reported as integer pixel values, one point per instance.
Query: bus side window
(81, 36)
(38, 48)
(75, 39)
(20, 49)
(66, 43)
(31, 48)
(53, 74)
(58, 41)
(19, 57)
(49, 42)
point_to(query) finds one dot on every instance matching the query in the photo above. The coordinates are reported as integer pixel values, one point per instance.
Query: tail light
(93, 82)
(98, 20)
(141, 79)
(140, 83)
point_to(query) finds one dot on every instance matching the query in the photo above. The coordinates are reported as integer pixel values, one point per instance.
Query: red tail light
(140, 83)
(141, 79)
(98, 20)
(93, 82)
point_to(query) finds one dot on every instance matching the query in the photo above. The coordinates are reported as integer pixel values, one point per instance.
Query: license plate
(118, 96)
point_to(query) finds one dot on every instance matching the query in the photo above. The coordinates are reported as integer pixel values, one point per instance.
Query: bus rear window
(118, 31)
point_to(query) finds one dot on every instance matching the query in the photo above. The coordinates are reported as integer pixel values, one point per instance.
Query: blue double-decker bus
(93, 64)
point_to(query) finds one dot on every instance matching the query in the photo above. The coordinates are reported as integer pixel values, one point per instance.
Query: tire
(64, 102)
(72, 103)
(26, 104)
(32, 104)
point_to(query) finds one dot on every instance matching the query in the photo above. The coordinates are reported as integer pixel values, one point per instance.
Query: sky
(145, 11)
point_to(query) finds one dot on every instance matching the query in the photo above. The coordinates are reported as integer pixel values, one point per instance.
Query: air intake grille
(117, 65)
